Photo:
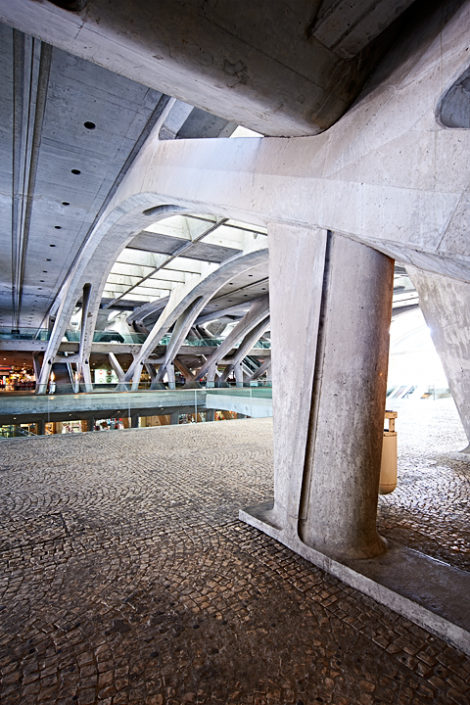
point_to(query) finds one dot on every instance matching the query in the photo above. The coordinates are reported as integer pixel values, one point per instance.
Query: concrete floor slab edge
(417, 613)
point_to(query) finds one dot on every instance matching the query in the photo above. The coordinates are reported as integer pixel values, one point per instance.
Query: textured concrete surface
(126, 577)
(281, 69)
(445, 306)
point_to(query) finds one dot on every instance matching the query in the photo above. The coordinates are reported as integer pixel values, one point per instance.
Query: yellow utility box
(388, 469)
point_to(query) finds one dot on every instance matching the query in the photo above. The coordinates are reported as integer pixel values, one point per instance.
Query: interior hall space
(234, 352)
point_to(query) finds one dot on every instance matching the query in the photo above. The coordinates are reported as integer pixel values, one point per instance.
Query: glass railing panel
(66, 412)
(110, 336)
(24, 333)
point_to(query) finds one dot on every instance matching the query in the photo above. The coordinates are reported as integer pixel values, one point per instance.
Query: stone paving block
(128, 579)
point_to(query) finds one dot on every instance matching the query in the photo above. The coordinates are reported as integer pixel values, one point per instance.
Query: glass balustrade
(110, 336)
(63, 411)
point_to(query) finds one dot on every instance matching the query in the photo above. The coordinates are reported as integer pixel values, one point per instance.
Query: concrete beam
(264, 68)
(401, 177)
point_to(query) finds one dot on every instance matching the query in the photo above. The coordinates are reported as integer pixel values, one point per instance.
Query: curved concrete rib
(236, 309)
(265, 367)
(114, 231)
(250, 339)
(258, 311)
(186, 310)
(139, 314)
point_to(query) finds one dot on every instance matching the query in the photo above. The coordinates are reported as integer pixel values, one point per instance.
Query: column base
(428, 592)
(371, 547)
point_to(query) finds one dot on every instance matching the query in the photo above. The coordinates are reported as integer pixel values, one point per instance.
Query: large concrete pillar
(330, 319)
(341, 480)
(445, 304)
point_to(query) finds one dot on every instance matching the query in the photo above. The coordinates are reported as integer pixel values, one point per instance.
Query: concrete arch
(256, 313)
(249, 340)
(114, 231)
(184, 311)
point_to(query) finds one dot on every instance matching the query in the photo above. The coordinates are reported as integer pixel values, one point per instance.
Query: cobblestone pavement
(429, 510)
(126, 579)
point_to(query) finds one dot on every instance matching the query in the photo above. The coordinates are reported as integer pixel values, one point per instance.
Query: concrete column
(341, 479)
(330, 318)
(86, 338)
(238, 375)
(116, 366)
(36, 366)
(210, 378)
(445, 304)
(134, 421)
(137, 374)
(154, 383)
(170, 370)
(41, 428)
(210, 414)
(174, 418)
(86, 376)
